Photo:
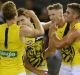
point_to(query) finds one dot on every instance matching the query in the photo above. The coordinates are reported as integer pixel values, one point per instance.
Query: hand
(29, 13)
(53, 27)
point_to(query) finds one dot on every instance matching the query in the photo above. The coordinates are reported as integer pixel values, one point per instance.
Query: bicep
(30, 32)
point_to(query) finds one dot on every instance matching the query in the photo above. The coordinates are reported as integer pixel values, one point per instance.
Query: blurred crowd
(38, 6)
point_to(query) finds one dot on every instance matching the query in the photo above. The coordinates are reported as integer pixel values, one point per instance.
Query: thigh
(65, 70)
(76, 70)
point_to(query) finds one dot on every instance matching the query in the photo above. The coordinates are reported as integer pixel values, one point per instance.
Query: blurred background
(39, 7)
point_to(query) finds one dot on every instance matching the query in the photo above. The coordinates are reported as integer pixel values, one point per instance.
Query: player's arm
(32, 32)
(66, 40)
(51, 48)
(31, 68)
(46, 25)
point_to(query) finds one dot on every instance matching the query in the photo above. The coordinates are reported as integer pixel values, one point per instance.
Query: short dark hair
(55, 6)
(21, 11)
(9, 10)
(75, 7)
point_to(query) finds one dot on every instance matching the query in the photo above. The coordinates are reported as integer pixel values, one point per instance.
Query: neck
(10, 22)
(61, 23)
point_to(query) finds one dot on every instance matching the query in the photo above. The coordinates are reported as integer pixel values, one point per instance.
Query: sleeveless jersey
(70, 54)
(76, 47)
(11, 50)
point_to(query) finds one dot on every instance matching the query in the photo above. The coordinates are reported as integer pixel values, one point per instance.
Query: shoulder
(77, 26)
(2, 26)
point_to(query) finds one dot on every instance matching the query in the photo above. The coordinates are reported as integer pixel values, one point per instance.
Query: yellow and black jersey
(35, 53)
(70, 54)
(66, 52)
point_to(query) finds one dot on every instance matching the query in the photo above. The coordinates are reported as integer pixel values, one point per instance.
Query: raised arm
(32, 32)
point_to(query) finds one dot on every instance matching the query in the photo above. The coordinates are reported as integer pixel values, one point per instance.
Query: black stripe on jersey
(6, 38)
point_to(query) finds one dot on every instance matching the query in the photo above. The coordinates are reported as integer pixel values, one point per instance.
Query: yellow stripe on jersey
(60, 31)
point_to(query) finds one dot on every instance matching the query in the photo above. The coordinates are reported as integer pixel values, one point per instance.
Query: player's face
(69, 15)
(22, 20)
(55, 15)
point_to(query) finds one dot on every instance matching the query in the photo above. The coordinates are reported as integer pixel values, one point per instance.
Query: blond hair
(55, 6)
(9, 10)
